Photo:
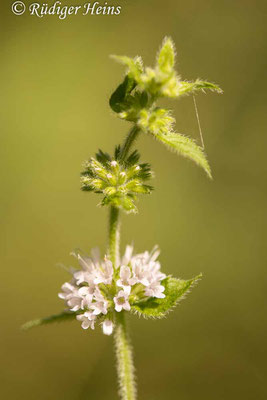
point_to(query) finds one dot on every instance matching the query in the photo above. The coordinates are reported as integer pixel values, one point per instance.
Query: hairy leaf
(175, 290)
(186, 147)
(135, 65)
(166, 56)
(64, 316)
(192, 87)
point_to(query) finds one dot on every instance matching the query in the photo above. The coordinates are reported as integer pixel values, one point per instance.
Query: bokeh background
(56, 78)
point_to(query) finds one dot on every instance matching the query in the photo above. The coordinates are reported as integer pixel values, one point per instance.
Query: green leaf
(186, 147)
(117, 99)
(166, 56)
(135, 65)
(64, 316)
(192, 87)
(175, 290)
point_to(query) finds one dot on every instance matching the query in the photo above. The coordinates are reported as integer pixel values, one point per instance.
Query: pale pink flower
(68, 291)
(155, 289)
(71, 296)
(88, 320)
(107, 327)
(121, 301)
(83, 277)
(127, 255)
(104, 273)
(100, 305)
(125, 281)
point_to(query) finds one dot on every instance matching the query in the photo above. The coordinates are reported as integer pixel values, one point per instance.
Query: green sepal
(125, 202)
(175, 290)
(64, 316)
(186, 147)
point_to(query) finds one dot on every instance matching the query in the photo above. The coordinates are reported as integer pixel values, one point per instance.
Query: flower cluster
(119, 181)
(98, 290)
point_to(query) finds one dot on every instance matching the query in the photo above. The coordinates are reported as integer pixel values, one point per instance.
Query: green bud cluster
(119, 181)
(135, 100)
(156, 121)
(144, 85)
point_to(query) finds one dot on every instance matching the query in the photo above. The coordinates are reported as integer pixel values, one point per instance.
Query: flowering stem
(124, 359)
(123, 348)
(114, 235)
(130, 138)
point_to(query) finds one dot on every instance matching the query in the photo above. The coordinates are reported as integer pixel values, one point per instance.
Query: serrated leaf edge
(163, 315)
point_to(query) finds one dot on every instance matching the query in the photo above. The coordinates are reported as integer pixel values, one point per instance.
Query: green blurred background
(56, 78)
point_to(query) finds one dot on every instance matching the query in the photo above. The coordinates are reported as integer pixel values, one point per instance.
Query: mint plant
(102, 290)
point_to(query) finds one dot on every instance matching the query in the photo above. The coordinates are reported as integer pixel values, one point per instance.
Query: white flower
(107, 327)
(100, 305)
(88, 264)
(127, 255)
(71, 296)
(140, 275)
(86, 294)
(88, 320)
(125, 280)
(84, 277)
(92, 287)
(95, 254)
(121, 301)
(68, 291)
(146, 269)
(85, 262)
(155, 252)
(75, 297)
(155, 289)
(104, 273)
(154, 273)
(146, 257)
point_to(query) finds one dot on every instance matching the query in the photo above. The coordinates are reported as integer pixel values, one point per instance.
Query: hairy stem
(124, 359)
(130, 138)
(123, 348)
(114, 235)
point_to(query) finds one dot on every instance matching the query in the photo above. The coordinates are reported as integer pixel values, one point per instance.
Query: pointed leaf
(175, 290)
(186, 147)
(64, 316)
(192, 87)
(166, 56)
(135, 65)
